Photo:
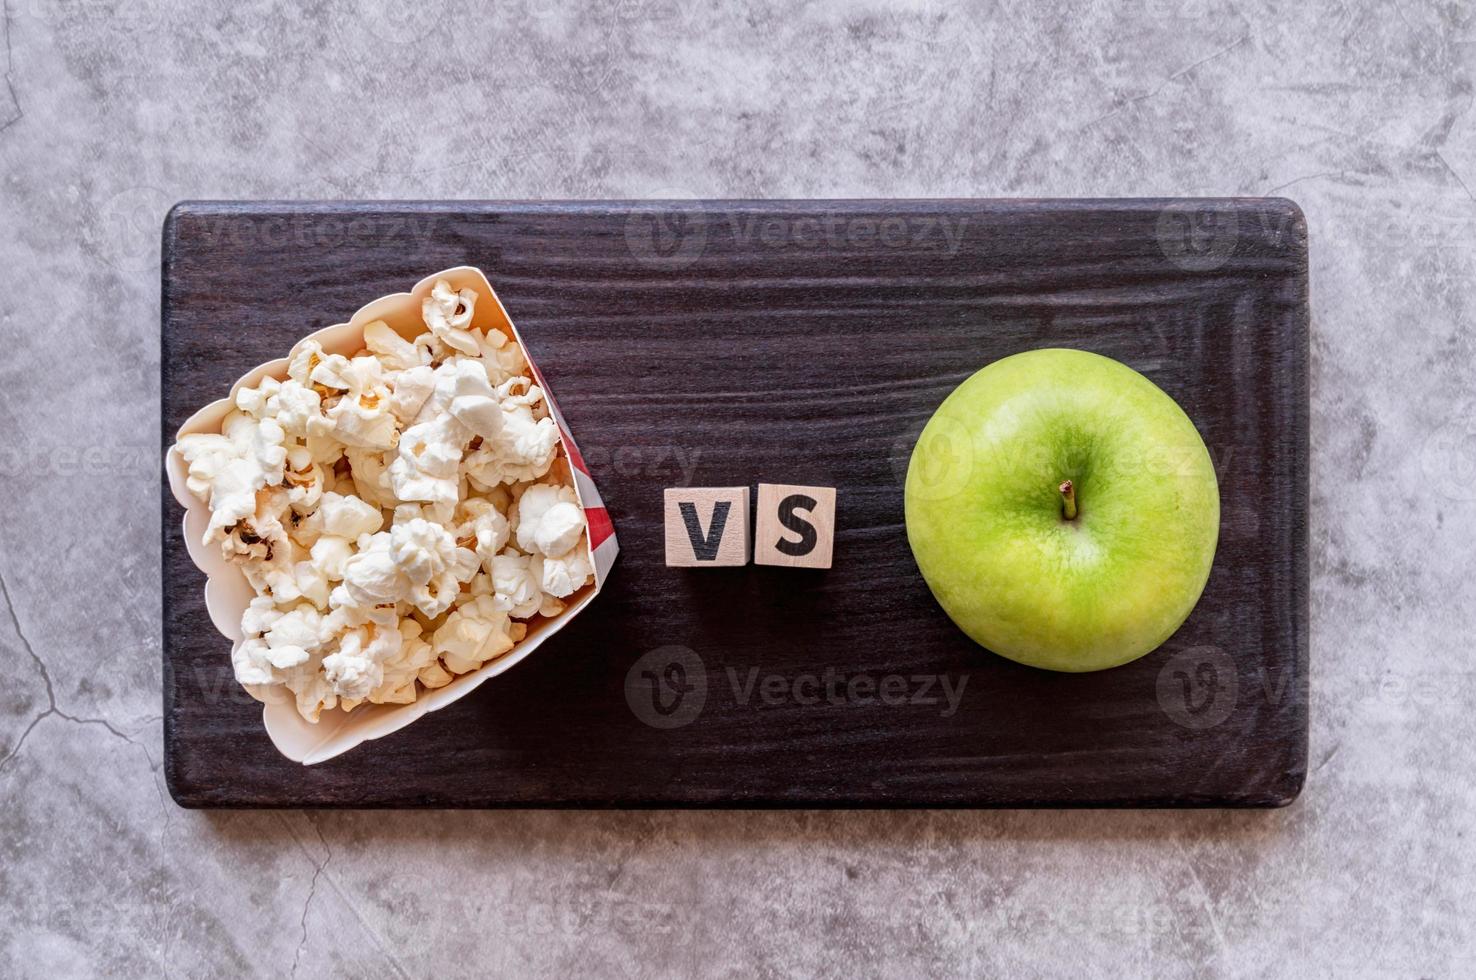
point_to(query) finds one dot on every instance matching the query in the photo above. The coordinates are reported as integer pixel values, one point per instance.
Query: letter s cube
(795, 526)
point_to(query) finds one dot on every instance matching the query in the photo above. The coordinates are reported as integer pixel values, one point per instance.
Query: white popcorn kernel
(502, 359)
(434, 676)
(276, 576)
(259, 616)
(251, 660)
(226, 470)
(474, 633)
(550, 520)
(356, 669)
(314, 694)
(563, 576)
(482, 527)
(295, 407)
(330, 371)
(401, 671)
(330, 553)
(254, 401)
(345, 615)
(348, 517)
(312, 583)
(285, 657)
(412, 388)
(325, 449)
(448, 314)
(370, 475)
(362, 417)
(294, 634)
(303, 479)
(395, 353)
(526, 445)
(371, 577)
(404, 693)
(405, 513)
(368, 427)
(304, 358)
(427, 467)
(430, 559)
(417, 561)
(516, 585)
(416, 546)
(430, 349)
(462, 386)
(260, 546)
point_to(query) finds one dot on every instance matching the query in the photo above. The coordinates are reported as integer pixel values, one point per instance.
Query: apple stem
(1068, 494)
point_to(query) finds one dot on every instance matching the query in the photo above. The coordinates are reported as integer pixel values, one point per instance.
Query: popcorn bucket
(227, 592)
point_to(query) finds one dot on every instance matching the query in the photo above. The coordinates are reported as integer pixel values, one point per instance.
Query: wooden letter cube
(706, 526)
(795, 526)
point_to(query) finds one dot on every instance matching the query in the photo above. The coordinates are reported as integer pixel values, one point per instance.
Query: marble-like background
(1360, 110)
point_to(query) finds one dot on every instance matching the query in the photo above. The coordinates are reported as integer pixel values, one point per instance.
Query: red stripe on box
(600, 528)
(575, 456)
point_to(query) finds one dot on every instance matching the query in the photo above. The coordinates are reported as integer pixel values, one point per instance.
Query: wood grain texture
(712, 344)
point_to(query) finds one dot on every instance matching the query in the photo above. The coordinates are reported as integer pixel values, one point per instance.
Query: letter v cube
(707, 527)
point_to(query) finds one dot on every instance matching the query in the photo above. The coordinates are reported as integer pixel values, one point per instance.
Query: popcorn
(417, 561)
(274, 642)
(401, 671)
(550, 520)
(252, 666)
(524, 446)
(304, 358)
(227, 470)
(314, 693)
(412, 388)
(462, 385)
(394, 352)
(356, 669)
(515, 584)
(312, 582)
(551, 527)
(294, 407)
(449, 314)
(259, 616)
(462, 406)
(253, 401)
(361, 417)
(474, 633)
(483, 527)
(304, 480)
(566, 574)
(429, 464)
(293, 635)
(348, 517)
(502, 359)
(330, 553)
(397, 512)
(371, 477)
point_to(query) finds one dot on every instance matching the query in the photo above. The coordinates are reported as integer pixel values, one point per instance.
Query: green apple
(1063, 510)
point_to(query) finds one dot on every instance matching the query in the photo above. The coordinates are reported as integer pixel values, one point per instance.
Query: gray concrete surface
(113, 109)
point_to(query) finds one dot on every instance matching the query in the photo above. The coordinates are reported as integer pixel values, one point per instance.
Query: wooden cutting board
(728, 343)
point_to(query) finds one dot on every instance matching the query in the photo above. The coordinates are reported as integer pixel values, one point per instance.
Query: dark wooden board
(727, 343)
